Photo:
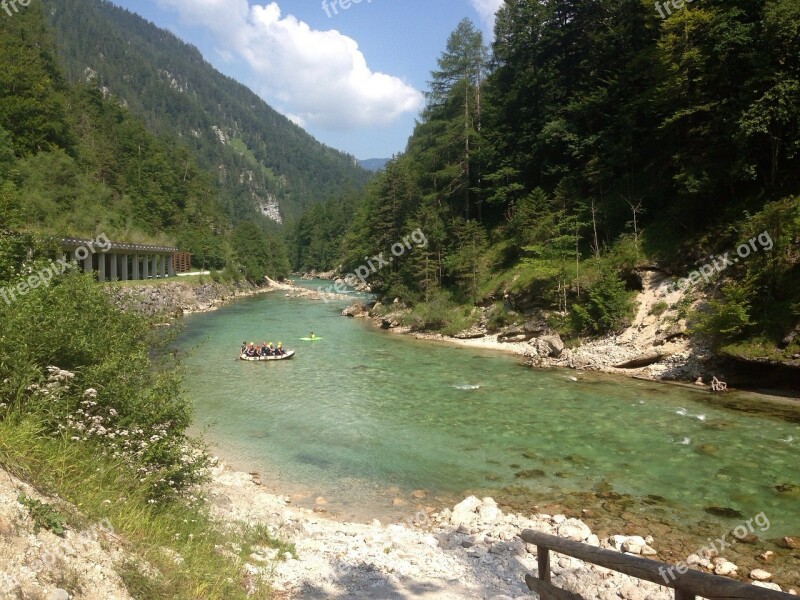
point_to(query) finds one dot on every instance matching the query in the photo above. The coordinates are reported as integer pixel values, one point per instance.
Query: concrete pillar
(163, 259)
(171, 265)
(87, 264)
(114, 258)
(154, 265)
(145, 266)
(101, 267)
(136, 267)
(124, 265)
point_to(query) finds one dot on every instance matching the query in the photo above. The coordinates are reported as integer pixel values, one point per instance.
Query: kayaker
(312, 336)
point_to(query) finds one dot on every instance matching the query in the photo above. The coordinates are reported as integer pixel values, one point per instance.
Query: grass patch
(659, 308)
(176, 550)
(188, 279)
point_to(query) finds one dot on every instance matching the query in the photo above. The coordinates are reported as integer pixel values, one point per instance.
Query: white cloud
(320, 78)
(487, 9)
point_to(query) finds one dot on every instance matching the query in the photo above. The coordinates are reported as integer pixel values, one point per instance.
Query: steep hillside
(264, 161)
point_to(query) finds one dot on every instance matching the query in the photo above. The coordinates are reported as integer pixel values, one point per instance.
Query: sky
(352, 74)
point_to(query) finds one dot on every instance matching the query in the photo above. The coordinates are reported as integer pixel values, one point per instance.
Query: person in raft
(251, 350)
(279, 351)
(244, 347)
(264, 350)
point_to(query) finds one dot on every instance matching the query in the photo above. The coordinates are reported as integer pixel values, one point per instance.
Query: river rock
(633, 544)
(792, 543)
(465, 512)
(357, 310)
(760, 575)
(550, 345)
(643, 360)
(725, 567)
(574, 529)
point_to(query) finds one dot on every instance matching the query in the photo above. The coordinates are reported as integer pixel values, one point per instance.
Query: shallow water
(363, 417)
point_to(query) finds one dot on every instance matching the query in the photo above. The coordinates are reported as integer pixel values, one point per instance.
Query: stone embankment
(175, 298)
(471, 551)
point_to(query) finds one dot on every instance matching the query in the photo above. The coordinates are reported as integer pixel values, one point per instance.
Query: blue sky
(352, 77)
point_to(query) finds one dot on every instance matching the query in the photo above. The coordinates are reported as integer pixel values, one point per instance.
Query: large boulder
(550, 345)
(466, 512)
(358, 310)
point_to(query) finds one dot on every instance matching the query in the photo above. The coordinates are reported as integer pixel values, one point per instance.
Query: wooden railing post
(543, 558)
(687, 585)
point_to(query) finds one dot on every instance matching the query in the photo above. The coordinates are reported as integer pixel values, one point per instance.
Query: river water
(364, 417)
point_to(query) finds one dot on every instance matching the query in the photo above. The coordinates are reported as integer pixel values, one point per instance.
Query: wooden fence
(687, 585)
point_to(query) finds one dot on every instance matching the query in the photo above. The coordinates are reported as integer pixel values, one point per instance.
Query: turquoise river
(364, 417)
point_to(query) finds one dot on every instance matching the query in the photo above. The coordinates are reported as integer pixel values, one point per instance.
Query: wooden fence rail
(686, 585)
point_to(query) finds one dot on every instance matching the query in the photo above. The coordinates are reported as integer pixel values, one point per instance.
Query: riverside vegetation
(95, 415)
(594, 141)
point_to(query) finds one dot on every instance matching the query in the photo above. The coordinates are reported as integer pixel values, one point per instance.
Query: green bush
(724, 320)
(100, 376)
(498, 317)
(608, 307)
(440, 314)
(659, 308)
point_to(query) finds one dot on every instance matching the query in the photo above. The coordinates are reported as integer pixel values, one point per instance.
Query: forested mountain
(264, 161)
(75, 163)
(374, 164)
(594, 139)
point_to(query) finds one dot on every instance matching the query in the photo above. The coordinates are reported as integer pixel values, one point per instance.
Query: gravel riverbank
(470, 551)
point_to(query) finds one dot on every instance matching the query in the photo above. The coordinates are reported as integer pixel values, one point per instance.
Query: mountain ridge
(270, 165)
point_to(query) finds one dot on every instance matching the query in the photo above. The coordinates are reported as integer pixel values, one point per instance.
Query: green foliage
(110, 494)
(659, 308)
(122, 396)
(608, 307)
(724, 320)
(44, 516)
(499, 317)
(439, 313)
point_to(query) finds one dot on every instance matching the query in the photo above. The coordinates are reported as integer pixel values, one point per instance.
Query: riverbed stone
(550, 346)
(725, 567)
(760, 575)
(574, 529)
